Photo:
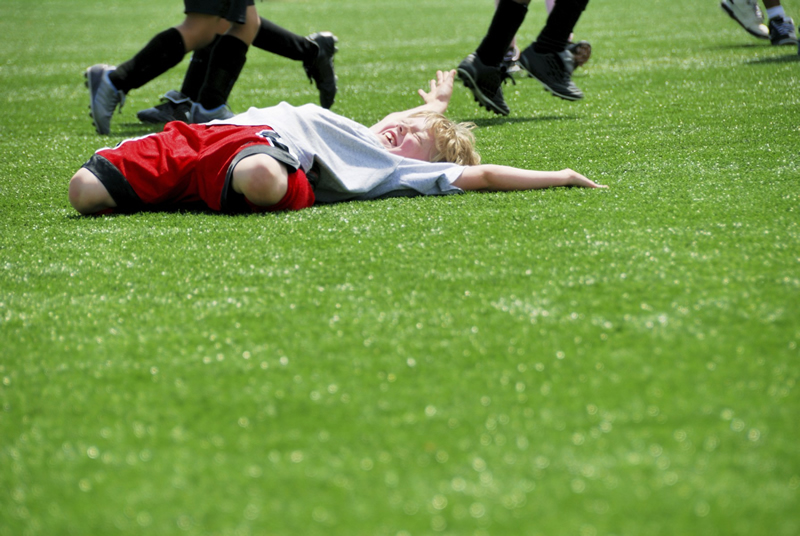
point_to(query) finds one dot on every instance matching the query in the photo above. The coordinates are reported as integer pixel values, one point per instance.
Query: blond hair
(454, 142)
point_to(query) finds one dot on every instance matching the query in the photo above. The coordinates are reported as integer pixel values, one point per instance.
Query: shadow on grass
(187, 209)
(789, 58)
(737, 46)
(492, 121)
(794, 58)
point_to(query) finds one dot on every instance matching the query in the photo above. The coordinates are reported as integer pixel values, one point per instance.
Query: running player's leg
(108, 85)
(225, 64)
(167, 49)
(199, 29)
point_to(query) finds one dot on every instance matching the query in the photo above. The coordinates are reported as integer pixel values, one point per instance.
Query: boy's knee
(261, 179)
(247, 32)
(198, 29)
(78, 187)
(87, 194)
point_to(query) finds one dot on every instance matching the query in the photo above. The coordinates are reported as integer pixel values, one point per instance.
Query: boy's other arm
(436, 100)
(493, 178)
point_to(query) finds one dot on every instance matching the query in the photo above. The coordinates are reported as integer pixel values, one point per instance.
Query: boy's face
(409, 138)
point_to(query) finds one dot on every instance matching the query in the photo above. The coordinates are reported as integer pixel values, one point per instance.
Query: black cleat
(485, 83)
(553, 70)
(320, 70)
(175, 106)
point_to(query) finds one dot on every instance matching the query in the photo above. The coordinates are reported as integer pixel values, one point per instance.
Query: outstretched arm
(436, 100)
(492, 178)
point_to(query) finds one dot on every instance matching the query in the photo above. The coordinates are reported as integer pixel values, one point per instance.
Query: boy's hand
(576, 179)
(438, 97)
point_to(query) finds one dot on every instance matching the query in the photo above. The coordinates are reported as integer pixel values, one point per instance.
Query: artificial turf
(582, 362)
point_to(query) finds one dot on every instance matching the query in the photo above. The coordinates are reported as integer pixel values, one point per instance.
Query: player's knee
(247, 32)
(198, 30)
(78, 187)
(87, 194)
(261, 179)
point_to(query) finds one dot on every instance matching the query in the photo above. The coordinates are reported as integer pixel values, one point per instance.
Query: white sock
(776, 11)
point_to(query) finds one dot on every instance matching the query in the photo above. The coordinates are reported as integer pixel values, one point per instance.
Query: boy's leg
(143, 173)
(177, 105)
(87, 194)
(315, 51)
(278, 40)
(554, 37)
(163, 52)
(198, 30)
(268, 185)
(261, 179)
(108, 85)
(781, 27)
(481, 71)
(508, 17)
(225, 64)
(547, 59)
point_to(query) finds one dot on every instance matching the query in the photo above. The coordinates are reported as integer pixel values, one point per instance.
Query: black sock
(163, 52)
(197, 70)
(554, 37)
(282, 42)
(507, 19)
(226, 62)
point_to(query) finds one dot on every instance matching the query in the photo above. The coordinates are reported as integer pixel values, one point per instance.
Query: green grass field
(559, 362)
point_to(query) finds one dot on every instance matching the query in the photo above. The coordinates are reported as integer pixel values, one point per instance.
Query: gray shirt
(351, 161)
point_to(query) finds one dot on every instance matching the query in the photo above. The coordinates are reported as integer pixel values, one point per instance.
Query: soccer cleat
(748, 15)
(485, 83)
(553, 70)
(175, 106)
(103, 96)
(781, 31)
(320, 70)
(198, 114)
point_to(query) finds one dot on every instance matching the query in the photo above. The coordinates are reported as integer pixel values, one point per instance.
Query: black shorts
(232, 10)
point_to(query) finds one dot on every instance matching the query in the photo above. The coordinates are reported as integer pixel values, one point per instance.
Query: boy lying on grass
(288, 158)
